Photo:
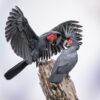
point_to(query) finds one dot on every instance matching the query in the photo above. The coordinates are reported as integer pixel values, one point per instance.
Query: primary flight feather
(32, 48)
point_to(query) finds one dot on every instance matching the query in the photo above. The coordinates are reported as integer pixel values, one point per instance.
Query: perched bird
(65, 62)
(28, 45)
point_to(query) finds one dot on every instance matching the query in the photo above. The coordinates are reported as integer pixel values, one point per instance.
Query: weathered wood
(63, 91)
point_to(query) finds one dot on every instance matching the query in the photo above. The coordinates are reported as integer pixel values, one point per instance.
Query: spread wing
(22, 38)
(63, 29)
(69, 27)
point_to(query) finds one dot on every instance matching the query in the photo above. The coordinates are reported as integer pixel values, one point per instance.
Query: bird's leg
(43, 62)
(67, 76)
(54, 86)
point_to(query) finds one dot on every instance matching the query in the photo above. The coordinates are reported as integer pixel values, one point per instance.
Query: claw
(42, 63)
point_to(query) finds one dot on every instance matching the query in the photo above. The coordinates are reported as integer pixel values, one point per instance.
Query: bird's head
(71, 42)
(73, 39)
(53, 36)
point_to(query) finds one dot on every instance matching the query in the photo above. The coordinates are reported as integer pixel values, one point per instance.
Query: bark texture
(64, 91)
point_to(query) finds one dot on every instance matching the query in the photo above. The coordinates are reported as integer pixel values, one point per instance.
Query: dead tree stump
(63, 91)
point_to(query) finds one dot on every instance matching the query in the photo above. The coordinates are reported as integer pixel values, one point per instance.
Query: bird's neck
(73, 48)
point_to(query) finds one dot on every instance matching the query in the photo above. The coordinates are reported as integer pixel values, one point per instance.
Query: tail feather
(15, 70)
(56, 78)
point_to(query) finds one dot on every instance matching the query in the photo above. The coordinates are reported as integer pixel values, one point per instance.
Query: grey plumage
(28, 45)
(64, 63)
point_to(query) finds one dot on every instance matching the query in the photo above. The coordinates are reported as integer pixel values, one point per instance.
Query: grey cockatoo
(66, 61)
(31, 47)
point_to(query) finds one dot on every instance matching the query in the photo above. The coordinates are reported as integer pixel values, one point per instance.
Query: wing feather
(19, 33)
(68, 27)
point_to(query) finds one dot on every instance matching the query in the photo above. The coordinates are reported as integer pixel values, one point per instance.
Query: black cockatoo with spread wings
(32, 48)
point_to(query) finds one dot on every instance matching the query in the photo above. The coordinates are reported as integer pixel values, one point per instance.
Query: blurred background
(43, 15)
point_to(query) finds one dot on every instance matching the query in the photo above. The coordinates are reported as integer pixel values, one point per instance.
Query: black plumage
(28, 45)
(65, 62)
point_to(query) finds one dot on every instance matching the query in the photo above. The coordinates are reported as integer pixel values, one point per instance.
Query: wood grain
(64, 91)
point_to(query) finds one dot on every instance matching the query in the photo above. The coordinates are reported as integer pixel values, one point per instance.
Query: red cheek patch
(70, 42)
(52, 37)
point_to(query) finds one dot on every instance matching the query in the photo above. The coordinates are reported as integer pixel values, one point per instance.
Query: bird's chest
(41, 45)
(73, 57)
(70, 57)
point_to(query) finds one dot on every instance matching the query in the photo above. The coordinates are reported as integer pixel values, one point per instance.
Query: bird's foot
(67, 76)
(42, 63)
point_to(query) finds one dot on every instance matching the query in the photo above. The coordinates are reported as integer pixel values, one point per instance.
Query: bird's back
(66, 60)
